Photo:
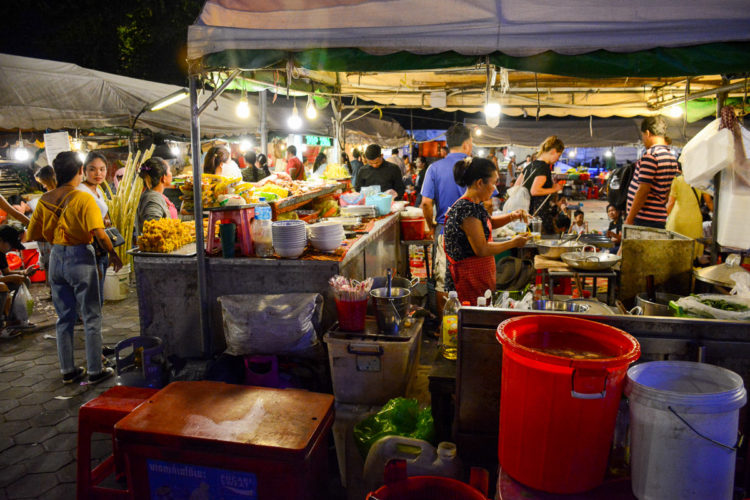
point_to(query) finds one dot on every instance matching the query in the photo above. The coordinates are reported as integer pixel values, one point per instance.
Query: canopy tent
(576, 132)
(645, 50)
(37, 94)
(628, 58)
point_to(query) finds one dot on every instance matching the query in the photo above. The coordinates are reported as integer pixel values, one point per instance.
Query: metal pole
(195, 142)
(720, 99)
(263, 128)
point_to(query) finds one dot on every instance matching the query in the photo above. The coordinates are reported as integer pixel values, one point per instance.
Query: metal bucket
(390, 311)
(396, 282)
(658, 308)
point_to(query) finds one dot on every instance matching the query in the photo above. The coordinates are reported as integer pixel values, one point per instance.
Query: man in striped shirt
(652, 179)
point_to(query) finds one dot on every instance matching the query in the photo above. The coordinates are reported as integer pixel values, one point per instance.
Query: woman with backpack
(537, 178)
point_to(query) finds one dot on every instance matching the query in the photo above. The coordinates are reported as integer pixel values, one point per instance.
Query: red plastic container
(557, 413)
(351, 314)
(400, 487)
(412, 229)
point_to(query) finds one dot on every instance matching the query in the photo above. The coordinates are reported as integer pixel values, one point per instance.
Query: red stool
(242, 217)
(100, 415)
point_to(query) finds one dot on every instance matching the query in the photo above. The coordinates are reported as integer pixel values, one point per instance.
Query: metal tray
(188, 250)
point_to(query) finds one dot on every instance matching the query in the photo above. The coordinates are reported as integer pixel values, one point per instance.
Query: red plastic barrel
(400, 487)
(412, 229)
(562, 379)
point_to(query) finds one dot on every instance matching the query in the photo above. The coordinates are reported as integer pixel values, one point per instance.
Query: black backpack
(618, 184)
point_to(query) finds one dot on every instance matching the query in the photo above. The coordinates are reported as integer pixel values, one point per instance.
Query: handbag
(114, 236)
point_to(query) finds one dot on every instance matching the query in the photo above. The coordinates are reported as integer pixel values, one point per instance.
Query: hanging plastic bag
(23, 305)
(518, 198)
(398, 417)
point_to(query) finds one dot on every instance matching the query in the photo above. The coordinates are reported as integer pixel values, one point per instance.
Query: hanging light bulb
(294, 122)
(572, 153)
(477, 131)
(608, 154)
(492, 111)
(82, 156)
(310, 112)
(245, 145)
(243, 107)
(175, 150)
(21, 154)
(675, 111)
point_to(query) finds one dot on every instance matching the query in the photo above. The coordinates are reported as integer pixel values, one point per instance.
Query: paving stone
(50, 418)
(46, 361)
(61, 404)
(10, 429)
(70, 424)
(11, 392)
(50, 462)
(35, 398)
(8, 404)
(32, 485)
(28, 355)
(67, 441)
(10, 376)
(25, 381)
(11, 473)
(6, 442)
(18, 365)
(35, 435)
(67, 474)
(21, 413)
(62, 492)
(20, 453)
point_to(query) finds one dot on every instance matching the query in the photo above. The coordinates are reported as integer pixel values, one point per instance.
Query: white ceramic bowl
(289, 253)
(326, 247)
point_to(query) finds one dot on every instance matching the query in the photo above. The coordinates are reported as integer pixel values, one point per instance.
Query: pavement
(38, 413)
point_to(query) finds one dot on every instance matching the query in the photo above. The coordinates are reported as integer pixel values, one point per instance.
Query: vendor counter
(479, 365)
(167, 285)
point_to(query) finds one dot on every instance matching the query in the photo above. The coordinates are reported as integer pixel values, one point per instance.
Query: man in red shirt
(652, 179)
(294, 166)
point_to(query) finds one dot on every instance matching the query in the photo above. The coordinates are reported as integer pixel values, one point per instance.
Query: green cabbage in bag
(398, 417)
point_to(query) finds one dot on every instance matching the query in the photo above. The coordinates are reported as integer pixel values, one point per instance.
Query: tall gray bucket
(391, 310)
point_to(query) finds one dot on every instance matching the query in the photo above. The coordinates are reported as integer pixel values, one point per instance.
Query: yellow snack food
(165, 235)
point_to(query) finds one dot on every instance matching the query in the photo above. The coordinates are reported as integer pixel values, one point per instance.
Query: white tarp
(514, 27)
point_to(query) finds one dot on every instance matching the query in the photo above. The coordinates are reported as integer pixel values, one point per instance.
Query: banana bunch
(336, 171)
(164, 235)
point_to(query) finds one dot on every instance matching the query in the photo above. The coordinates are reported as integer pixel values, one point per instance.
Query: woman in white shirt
(218, 162)
(94, 175)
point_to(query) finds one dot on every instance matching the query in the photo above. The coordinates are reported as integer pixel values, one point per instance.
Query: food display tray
(188, 250)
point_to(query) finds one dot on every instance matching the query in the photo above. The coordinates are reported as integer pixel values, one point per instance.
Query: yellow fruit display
(336, 171)
(165, 235)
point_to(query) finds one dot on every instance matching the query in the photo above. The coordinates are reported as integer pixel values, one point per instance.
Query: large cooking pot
(590, 261)
(558, 305)
(553, 249)
(658, 308)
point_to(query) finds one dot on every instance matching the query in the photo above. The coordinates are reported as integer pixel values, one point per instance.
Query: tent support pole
(195, 142)
(715, 247)
(263, 127)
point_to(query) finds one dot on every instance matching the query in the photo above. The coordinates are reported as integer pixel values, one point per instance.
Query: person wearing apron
(469, 248)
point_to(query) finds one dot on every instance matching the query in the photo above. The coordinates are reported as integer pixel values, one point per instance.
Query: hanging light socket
(310, 112)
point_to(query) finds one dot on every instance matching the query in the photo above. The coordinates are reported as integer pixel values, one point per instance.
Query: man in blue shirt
(439, 192)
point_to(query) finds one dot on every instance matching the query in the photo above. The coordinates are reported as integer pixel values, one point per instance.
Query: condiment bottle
(261, 231)
(450, 326)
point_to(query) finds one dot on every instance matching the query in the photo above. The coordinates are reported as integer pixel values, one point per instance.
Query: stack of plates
(359, 211)
(289, 238)
(326, 236)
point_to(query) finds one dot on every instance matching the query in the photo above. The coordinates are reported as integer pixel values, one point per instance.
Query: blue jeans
(102, 263)
(75, 288)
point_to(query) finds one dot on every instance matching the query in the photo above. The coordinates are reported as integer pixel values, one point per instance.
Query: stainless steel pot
(553, 249)
(558, 305)
(658, 308)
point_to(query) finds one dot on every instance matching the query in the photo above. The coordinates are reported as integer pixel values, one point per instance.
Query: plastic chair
(242, 217)
(100, 415)
(144, 366)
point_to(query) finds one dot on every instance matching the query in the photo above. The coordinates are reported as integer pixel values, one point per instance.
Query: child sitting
(578, 226)
(614, 231)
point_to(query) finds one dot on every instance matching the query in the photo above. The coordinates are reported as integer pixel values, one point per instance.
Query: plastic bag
(693, 306)
(398, 417)
(271, 324)
(23, 305)
(741, 285)
(518, 198)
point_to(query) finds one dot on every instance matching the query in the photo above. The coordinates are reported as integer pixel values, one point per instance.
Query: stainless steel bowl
(553, 249)
(558, 305)
(590, 261)
(658, 308)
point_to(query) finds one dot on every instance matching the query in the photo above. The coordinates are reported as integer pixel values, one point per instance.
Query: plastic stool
(242, 217)
(144, 366)
(100, 415)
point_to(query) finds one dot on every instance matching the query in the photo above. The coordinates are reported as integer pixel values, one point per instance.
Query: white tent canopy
(515, 27)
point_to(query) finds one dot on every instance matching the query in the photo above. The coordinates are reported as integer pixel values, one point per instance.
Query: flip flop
(7, 334)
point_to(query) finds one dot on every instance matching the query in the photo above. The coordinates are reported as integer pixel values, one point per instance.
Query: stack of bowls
(289, 238)
(326, 236)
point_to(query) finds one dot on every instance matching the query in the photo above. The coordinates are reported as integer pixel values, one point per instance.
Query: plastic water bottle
(262, 233)
(450, 326)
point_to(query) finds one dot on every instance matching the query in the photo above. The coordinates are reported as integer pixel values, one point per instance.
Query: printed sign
(316, 140)
(175, 481)
(54, 143)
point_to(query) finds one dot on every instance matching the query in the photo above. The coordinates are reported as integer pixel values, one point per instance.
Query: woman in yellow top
(684, 209)
(70, 219)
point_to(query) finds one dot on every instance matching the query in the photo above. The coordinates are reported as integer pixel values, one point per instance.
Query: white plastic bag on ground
(518, 198)
(694, 306)
(271, 324)
(23, 305)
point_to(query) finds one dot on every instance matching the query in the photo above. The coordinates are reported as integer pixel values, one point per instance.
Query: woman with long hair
(70, 220)
(537, 178)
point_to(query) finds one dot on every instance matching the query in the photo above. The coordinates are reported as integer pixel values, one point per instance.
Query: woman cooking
(537, 178)
(469, 248)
